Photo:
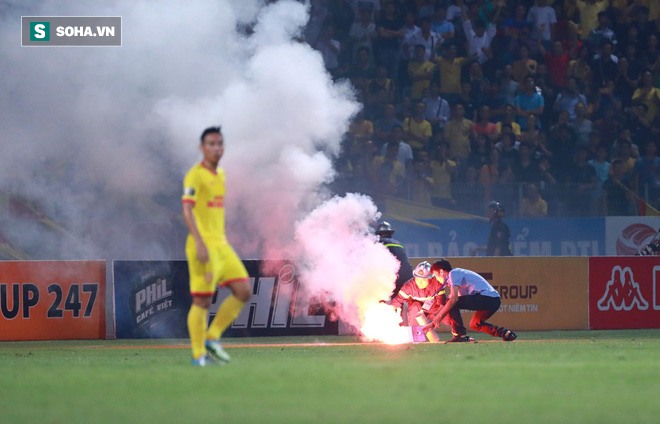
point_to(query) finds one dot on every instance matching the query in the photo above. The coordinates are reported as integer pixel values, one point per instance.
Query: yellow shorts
(224, 265)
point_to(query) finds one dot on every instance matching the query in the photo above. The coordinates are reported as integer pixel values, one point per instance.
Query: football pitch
(543, 377)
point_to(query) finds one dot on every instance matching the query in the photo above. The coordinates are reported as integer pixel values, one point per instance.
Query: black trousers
(484, 307)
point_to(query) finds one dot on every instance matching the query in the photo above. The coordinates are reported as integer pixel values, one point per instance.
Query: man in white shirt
(438, 111)
(468, 290)
(481, 37)
(543, 19)
(427, 38)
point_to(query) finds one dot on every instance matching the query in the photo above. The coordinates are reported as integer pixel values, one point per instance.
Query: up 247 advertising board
(50, 300)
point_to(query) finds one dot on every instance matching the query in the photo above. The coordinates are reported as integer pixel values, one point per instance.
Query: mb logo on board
(39, 31)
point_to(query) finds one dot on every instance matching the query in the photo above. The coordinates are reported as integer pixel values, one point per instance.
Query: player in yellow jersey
(211, 260)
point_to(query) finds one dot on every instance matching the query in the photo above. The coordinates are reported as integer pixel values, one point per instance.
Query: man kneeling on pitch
(467, 290)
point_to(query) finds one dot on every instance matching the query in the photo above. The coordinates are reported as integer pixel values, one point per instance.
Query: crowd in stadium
(549, 105)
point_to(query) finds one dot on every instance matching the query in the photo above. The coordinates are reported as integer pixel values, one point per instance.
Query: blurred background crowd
(548, 106)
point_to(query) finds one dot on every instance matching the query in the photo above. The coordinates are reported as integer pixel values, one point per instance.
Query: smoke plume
(95, 141)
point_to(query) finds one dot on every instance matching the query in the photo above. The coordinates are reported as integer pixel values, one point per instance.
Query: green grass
(544, 377)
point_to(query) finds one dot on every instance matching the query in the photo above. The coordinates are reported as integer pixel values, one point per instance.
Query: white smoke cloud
(340, 261)
(100, 138)
(91, 135)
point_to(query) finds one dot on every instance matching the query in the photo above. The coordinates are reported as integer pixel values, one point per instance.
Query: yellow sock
(196, 325)
(227, 312)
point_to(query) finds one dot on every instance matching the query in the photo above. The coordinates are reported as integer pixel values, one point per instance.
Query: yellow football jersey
(205, 188)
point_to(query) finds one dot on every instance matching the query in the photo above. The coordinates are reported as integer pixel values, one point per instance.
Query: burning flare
(381, 322)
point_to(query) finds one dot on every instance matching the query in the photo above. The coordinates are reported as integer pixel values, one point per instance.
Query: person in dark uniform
(499, 238)
(385, 233)
(467, 290)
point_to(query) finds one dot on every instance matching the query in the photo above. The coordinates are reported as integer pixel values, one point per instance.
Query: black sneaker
(509, 336)
(462, 339)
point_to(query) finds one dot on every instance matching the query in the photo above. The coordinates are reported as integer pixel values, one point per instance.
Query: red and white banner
(624, 292)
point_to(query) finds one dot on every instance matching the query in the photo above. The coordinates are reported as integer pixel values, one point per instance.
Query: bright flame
(381, 323)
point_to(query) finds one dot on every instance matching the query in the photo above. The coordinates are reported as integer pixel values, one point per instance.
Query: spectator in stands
(489, 174)
(383, 127)
(582, 126)
(648, 95)
(480, 38)
(625, 136)
(341, 16)
(602, 168)
(569, 98)
(420, 72)
(483, 126)
(584, 179)
(508, 86)
(526, 170)
(330, 49)
(557, 62)
(387, 172)
(652, 53)
(509, 119)
(640, 127)
(562, 145)
(442, 169)
(479, 83)
(450, 72)
(495, 101)
(547, 174)
(455, 11)
(409, 26)
(390, 31)
(479, 152)
(382, 81)
(363, 71)
(458, 133)
(441, 25)
(625, 82)
(602, 32)
(405, 153)
(608, 125)
(529, 102)
(547, 91)
(604, 66)
(646, 174)
(417, 129)
(404, 109)
(589, 10)
(543, 20)
(518, 21)
(437, 108)
(422, 180)
(467, 100)
(580, 68)
(572, 44)
(363, 33)
(533, 205)
(627, 161)
(509, 154)
(617, 195)
(532, 133)
(430, 40)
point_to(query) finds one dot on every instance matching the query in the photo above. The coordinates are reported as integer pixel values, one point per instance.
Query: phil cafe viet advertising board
(152, 300)
(624, 292)
(538, 293)
(52, 300)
